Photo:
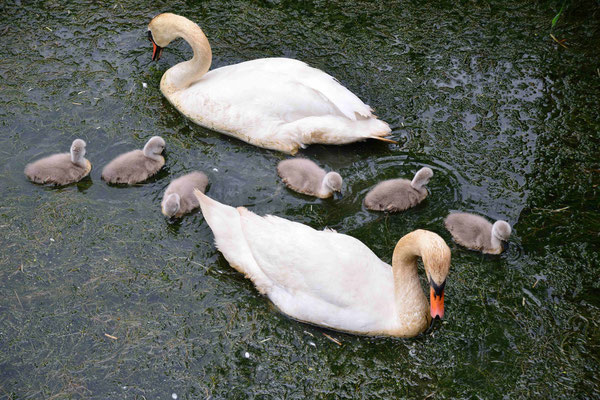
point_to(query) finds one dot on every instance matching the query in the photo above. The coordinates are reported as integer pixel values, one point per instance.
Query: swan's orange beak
(437, 303)
(156, 52)
(156, 49)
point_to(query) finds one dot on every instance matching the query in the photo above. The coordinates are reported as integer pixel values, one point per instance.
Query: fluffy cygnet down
(304, 176)
(399, 194)
(476, 233)
(137, 165)
(179, 196)
(61, 169)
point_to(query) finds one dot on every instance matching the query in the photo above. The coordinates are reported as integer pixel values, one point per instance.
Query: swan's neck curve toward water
(324, 190)
(149, 152)
(495, 242)
(182, 75)
(78, 159)
(412, 308)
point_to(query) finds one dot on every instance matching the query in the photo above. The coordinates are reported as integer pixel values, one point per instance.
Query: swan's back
(301, 175)
(57, 169)
(289, 90)
(317, 276)
(131, 167)
(394, 195)
(184, 186)
(470, 230)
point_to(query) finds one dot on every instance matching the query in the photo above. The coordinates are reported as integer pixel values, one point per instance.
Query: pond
(103, 297)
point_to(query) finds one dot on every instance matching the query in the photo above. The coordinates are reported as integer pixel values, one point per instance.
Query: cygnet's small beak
(436, 300)
(156, 49)
(337, 195)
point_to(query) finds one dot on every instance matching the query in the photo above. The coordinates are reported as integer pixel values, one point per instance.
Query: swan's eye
(150, 36)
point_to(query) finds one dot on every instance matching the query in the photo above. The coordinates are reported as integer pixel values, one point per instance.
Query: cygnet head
(154, 147)
(501, 230)
(333, 181)
(77, 151)
(171, 205)
(422, 178)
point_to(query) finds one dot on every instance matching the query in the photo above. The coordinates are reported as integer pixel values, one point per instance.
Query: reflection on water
(507, 119)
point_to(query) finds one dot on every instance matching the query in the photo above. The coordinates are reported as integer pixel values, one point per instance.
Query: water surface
(506, 117)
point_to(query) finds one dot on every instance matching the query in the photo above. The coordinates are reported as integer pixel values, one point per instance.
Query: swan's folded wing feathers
(225, 223)
(346, 101)
(293, 89)
(324, 264)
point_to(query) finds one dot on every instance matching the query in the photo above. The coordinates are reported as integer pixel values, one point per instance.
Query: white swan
(330, 279)
(276, 103)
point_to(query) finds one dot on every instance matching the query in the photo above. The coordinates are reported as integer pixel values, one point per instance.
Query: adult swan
(276, 103)
(330, 279)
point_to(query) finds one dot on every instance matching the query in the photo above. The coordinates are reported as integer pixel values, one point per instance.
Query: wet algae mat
(102, 297)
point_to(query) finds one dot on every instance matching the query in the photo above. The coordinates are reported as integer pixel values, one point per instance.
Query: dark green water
(508, 120)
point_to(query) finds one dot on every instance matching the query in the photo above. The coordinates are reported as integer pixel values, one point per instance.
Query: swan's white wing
(325, 266)
(321, 277)
(346, 101)
(284, 88)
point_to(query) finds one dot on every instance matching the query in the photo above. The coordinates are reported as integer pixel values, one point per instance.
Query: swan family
(320, 277)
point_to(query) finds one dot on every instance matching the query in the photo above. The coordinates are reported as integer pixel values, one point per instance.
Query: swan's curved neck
(417, 184)
(324, 190)
(495, 242)
(78, 159)
(409, 297)
(148, 152)
(186, 73)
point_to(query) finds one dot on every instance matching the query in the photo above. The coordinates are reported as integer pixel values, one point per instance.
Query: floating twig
(19, 300)
(111, 336)
(332, 339)
(558, 41)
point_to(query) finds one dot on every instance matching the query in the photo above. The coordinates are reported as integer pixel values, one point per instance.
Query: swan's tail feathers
(336, 130)
(226, 225)
(384, 139)
(212, 209)
(223, 220)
